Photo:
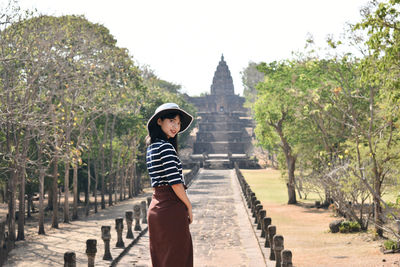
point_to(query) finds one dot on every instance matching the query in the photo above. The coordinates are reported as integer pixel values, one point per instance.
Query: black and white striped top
(163, 164)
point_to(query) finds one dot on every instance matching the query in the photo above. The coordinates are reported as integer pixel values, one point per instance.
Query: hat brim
(186, 118)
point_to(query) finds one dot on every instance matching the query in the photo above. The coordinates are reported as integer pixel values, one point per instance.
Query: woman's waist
(163, 189)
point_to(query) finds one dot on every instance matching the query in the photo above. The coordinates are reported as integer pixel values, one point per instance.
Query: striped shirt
(163, 164)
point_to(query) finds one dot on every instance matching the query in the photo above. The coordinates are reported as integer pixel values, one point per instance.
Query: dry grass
(306, 230)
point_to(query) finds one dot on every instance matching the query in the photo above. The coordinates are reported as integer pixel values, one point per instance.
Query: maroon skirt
(170, 239)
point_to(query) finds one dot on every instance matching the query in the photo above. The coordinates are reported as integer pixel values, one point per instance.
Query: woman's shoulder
(160, 145)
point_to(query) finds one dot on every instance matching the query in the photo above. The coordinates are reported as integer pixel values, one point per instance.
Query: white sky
(182, 40)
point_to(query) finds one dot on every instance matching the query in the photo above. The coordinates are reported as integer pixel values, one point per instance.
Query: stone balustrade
(138, 214)
(273, 241)
(91, 249)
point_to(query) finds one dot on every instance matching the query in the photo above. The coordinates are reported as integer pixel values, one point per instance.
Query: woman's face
(170, 127)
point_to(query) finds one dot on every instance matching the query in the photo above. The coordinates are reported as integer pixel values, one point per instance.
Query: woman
(170, 211)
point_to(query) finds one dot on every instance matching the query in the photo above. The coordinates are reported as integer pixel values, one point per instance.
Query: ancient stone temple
(224, 125)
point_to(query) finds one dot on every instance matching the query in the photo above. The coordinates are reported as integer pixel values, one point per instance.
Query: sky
(183, 40)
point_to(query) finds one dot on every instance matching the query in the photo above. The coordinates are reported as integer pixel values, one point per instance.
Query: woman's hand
(181, 193)
(190, 216)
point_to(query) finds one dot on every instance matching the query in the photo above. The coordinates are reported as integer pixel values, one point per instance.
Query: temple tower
(224, 125)
(222, 83)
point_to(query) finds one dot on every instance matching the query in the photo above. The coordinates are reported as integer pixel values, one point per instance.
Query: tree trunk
(129, 171)
(54, 222)
(50, 197)
(41, 194)
(21, 213)
(66, 191)
(125, 174)
(116, 176)
(29, 206)
(95, 185)
(131, 180)
(87, 196)
(378, 214)
(113, 187)
(291, 162)
(103, 202)
(76, 195)
(11, 206)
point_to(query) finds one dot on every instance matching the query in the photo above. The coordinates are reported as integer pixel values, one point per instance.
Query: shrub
(349, 227)
(390, 244)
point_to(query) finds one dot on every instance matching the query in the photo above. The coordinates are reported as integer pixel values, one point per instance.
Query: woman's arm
(181, 193)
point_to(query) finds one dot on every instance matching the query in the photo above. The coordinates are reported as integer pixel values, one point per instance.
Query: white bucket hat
(186, 118)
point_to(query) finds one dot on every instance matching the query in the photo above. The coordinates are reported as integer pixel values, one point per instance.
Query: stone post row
(278, 247)
(129, 220)
(247, 196)
(136, 209)
(267, 222)
(91, 249)
(144, 211)
(271, 234)
(106, 236)
(264, 232)
(261, 215)
(119, 226)
(69, 259)
(258, 208)
(253, 207)
(252, 194)
(287, 258)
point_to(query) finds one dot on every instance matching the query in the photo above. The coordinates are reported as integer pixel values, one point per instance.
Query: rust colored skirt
(170, 239)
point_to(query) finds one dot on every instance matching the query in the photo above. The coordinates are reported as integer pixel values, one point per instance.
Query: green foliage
(391, 244)
(349, 227)
(338, 114)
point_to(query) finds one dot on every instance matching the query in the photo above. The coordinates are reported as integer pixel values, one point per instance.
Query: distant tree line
(73, 113)
(334, 119)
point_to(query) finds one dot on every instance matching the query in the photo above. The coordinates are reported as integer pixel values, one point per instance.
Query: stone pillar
(287, 258)
(267, 222)
(69, 259)
(91, 249)
(136, 209)
(253, 207)
(143, 211)
(249, 200)
(261, 216)
(149, 201)
(278, 247)
(271, 234)
(247, 194)
(129, 220)
(258, 208)
(119, 226)
(106, 236)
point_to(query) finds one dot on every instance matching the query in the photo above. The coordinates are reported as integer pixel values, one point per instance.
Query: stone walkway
(48, 250)
(222, 233)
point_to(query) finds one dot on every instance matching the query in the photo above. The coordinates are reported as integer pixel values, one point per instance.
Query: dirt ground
(306, 234)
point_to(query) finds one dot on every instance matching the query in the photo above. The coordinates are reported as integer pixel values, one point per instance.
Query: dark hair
(157, 133)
